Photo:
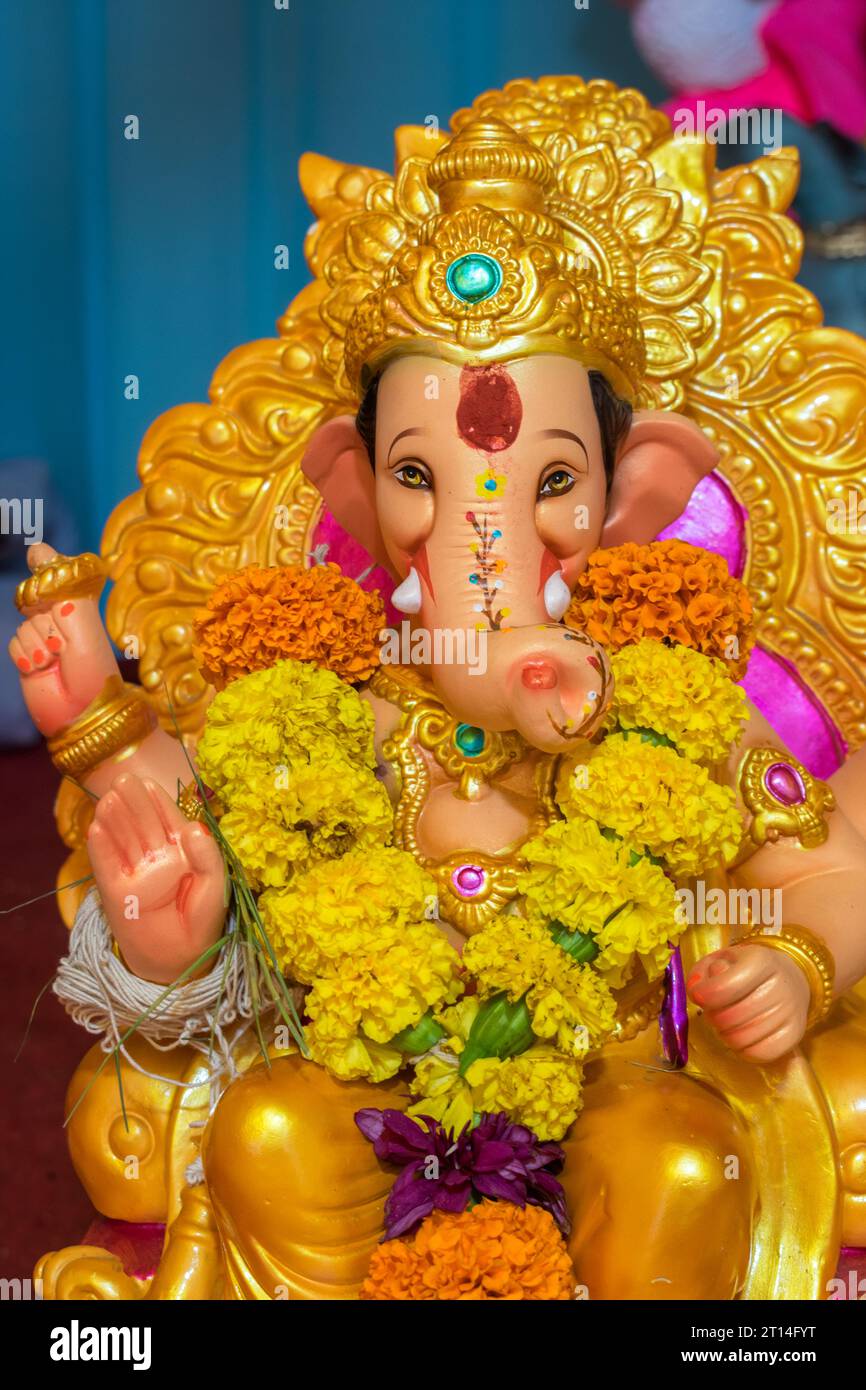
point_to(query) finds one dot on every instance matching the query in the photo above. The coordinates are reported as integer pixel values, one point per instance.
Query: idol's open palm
(160, 877)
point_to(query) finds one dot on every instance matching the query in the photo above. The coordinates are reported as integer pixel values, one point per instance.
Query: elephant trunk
(502, 659)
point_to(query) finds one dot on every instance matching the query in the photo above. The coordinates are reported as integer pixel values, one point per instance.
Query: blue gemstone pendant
(473, 277)
(469, 740)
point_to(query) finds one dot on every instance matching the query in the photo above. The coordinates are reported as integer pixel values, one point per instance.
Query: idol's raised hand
(62, 653)
(161, 879)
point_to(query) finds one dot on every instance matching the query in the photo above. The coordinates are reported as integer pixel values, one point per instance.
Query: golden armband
(118, 718)
(783, 798)
(814, 958)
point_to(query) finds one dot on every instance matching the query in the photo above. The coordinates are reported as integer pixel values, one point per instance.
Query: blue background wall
(155, 256)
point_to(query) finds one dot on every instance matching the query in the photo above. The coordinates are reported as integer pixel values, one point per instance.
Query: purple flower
(496, 1159)
(510, 1162)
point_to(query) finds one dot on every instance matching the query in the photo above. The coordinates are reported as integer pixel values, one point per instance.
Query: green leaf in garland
(501, 1029)
(650, 736)
(581, 946)
(423, 1035)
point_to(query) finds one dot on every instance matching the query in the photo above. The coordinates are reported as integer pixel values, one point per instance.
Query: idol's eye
(414, 475)
(557, 481)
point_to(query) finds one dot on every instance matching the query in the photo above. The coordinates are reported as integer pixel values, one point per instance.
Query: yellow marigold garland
(689, 698)
(444, 1094)
(289, 752)
(492, 1251)
(355, 930)
(569, 1003)
(541, 1089)
(574, 875)
(657, 801)
(256, 617)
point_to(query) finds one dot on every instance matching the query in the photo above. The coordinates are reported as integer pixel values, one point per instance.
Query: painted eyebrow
(563, 434)
(402, 435)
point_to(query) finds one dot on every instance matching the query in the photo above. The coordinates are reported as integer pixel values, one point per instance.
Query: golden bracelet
(120, 716)
(814, 958)
(66, 576)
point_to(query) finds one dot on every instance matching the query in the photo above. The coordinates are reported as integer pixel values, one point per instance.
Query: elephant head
(484, 489)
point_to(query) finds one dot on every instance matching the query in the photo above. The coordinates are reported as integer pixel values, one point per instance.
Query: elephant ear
(663, 459)
(336, 463)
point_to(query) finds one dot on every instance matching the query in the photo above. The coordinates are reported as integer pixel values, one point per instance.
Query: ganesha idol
(470, 901)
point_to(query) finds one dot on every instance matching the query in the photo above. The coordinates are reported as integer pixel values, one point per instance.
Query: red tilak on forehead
(490, 410)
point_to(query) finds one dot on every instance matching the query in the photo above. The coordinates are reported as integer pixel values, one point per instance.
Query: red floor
(43, 1206)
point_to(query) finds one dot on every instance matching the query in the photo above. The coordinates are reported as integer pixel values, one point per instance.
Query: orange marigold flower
(668, 590)
(494, 1250)
(256, 617)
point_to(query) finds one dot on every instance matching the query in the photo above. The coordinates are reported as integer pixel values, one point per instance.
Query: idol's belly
(299, 1195)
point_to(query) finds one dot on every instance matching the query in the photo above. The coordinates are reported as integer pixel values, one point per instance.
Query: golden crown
(497, 242)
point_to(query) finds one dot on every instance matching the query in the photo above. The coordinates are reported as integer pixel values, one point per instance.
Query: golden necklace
(472, 887)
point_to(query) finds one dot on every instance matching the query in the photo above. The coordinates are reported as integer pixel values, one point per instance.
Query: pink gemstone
(468, 880)
(785, 783)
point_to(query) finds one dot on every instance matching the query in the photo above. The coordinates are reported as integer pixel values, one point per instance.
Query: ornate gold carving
(79, 1272)
(546, 302)
(66, 576)
(436, 731)
(637, 1006)
(771, 817)
(812, 955)
(122, 715)
(401, 686)
(596, 255)
(469, 915)
(221, 488)
(783, 398)
(488, 153)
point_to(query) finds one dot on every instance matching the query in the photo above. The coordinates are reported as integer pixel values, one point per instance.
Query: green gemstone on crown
(473, 277)
(469, 740)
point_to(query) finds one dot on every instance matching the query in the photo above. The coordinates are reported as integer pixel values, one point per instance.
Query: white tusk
(557, 596)
(408, 596)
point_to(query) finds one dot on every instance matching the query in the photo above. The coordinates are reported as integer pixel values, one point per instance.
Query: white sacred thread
(103, 996)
